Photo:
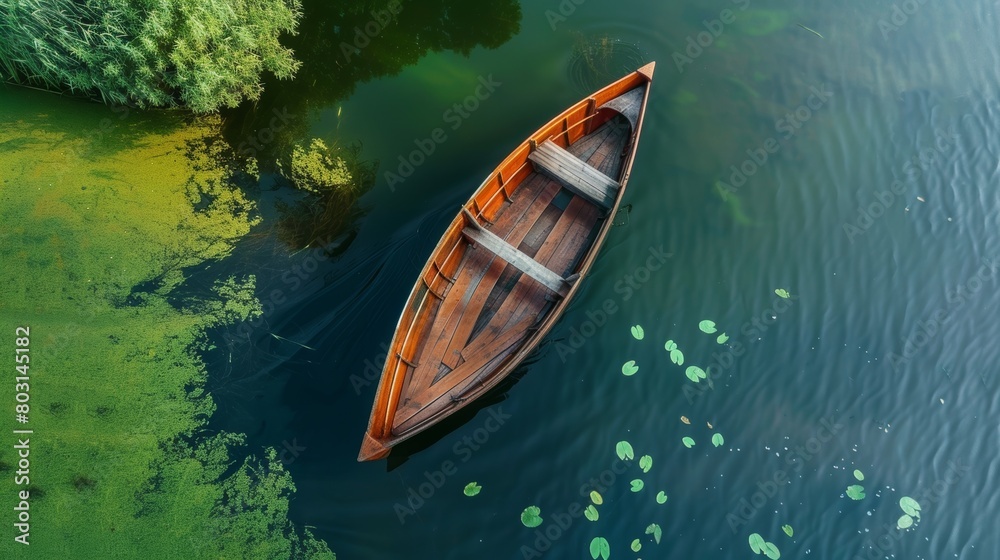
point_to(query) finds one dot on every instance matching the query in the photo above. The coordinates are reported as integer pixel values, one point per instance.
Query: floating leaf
(771, 551)
(591, 513)
(661, 497)
(722, 338)
(782, 293)
(637, 485)
(629, 368)
(858, 474)
(756, 543)
(685, 420)
(707, 327)
(471, 489)
(637, 332)
(695, 373)
(670, 346)
(677, 357)
(596, 497)
(688, 442)
(645, 463)
(636, 546)
(531, 517)
(910, 506)
(718, 440)
(855, 492)
(787, 529)
(654, 530)
(599, 548)
(905, 522)
(624, 450)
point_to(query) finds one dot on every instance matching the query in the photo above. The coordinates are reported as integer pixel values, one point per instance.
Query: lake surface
(876, 209)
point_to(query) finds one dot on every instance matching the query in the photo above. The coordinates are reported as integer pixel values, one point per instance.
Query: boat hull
(509, 263)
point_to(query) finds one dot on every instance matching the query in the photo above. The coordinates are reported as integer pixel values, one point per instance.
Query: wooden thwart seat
(575, 174)
(488, 240)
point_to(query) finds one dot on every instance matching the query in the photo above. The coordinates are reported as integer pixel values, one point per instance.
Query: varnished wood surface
(474, 315)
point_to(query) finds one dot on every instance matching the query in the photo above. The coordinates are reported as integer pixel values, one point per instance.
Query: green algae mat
(102, 407)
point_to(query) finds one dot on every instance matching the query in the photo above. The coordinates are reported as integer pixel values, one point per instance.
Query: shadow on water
(402, 452)
(343, 43)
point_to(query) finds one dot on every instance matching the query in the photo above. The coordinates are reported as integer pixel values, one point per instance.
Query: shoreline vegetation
(200, 54)
(101, 233)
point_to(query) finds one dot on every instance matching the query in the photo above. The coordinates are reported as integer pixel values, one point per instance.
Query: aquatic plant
(637, 332)
(645, 463)
(472, 489)
(656, 531)
(629, 368)
(139, 456)
(637, 485)
(591, 513)
(859, 475)
(624, 450)
(707, 327)
(787, 529)
(856, 492)
(718, 440)
(661, 497)
(599, 548)
(202, 54)
(688, 442)
(316, 168)
(531, 517)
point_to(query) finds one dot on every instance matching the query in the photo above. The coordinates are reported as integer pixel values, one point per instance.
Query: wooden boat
(509, 263)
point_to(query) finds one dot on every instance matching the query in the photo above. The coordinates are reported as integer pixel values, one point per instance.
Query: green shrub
(204, 54)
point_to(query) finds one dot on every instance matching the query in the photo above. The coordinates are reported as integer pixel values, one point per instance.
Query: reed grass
(203, 54)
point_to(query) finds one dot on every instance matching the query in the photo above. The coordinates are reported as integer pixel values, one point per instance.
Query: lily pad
(471, 489)
(629, 368)
(787, 529)
(756, 543)
(688, 442)
(670, 346)
(718, 440)
(591, 513)
(858, 474)
(636, 546)
(637, 485)
(910, 506)
(905, 522)
(722, 338)
(855, 492)
(655, 530)
(624, 450)
(695, 373)
(707, 327)
(677, 357)
(637, 332)
(645, 463)
(771, 551)
(596, 497)
(531, 517)
(661, 497)
(782, 293)
(599, 548)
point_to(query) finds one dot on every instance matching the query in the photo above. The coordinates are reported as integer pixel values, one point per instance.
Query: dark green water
(806, 390)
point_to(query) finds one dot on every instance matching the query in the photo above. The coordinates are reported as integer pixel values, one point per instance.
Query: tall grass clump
(203, 54)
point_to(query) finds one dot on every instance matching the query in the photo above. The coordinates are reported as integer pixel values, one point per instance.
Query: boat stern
(372, 449)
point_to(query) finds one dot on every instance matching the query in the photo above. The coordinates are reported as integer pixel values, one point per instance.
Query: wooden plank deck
(490, 308)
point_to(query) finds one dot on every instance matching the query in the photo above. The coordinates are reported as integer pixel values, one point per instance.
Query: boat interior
(510, 266)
